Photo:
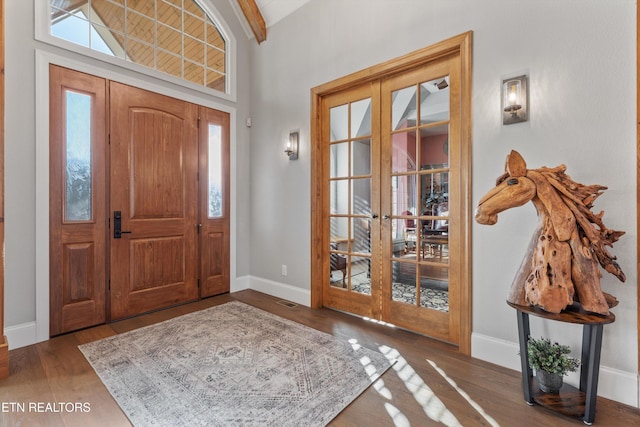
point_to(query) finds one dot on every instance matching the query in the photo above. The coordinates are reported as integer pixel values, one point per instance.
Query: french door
(391, 213)
(139, 201)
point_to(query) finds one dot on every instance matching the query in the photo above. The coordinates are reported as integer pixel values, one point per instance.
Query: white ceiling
(272, 11)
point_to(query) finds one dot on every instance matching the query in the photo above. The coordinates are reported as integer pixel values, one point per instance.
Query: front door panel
(154, 151)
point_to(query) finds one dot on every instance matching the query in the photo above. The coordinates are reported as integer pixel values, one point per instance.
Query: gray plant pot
(549, 382)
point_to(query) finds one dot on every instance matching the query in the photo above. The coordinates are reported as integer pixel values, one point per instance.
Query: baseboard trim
(613, 384)
(281, 290)
(240, 284)
(21, 335)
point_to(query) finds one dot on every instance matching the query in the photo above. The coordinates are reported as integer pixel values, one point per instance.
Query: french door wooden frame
(459, 45)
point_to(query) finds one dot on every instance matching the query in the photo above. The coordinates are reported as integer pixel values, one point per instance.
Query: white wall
(580, 56)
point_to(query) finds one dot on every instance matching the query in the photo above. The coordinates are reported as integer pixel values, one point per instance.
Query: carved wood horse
(561, 263)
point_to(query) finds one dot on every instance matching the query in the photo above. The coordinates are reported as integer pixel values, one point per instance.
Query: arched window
(176, 37)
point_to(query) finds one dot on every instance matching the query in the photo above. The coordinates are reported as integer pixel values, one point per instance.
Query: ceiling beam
(254, 18)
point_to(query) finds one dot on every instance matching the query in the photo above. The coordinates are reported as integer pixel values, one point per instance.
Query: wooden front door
(153, 199)
(139, 201)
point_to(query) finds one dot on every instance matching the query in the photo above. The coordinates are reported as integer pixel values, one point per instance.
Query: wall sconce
(515, 102)
(292, 145)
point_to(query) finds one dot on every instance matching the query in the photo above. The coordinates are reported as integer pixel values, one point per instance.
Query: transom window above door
(175, 37)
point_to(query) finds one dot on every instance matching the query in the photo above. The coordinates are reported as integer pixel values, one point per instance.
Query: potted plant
(551, 362)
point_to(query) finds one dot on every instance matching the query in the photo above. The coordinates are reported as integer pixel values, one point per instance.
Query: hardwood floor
(429, 385)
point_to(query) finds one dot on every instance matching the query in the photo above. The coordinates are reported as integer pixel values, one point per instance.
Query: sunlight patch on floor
(399, 419)
(378, 383)
(433, 407)
(464, 394)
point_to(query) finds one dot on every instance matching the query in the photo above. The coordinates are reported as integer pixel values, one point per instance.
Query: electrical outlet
(284, 270)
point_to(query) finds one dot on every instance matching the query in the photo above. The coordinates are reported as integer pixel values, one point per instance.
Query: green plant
(551, 357)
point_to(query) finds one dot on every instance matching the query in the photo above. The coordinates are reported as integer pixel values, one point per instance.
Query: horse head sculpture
(561, 265)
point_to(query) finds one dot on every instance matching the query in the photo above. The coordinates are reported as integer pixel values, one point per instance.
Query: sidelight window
(78, 174)
(215, 206)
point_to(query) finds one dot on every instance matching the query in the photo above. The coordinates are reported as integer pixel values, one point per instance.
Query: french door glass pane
(434, 147)
(403, 112)
(359, 275)
(215, 172)
(339, 120)
(434, 100)
(339, 232)
(78, 173)
(403, 151)
(405, 200)
(361, 196)
(403, 283)
(361, 157)
(361, 118)
(434, 287)
(339, 160)
(340, 196)
(361, 236)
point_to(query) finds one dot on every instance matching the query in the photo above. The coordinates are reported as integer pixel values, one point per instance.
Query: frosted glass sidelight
(215, 172)
(78, 173)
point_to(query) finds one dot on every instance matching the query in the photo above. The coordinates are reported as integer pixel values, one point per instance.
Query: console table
(570, 401)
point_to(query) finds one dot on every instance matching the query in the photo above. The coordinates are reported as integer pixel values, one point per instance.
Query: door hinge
(109, 284)
(109, 139)
(198, 227)
(198, 122)
(198, 283)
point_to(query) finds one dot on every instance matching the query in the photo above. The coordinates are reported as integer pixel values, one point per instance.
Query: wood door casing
(78, 273)
(459, 325)
(214, 231)
(153, 183)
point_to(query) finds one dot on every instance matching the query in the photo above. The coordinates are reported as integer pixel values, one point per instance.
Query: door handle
(117, 225)
(386, 217)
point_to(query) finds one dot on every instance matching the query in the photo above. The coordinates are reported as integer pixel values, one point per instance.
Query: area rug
(232, 365)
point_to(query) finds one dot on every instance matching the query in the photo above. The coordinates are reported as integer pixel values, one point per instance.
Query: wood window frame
(460, 44)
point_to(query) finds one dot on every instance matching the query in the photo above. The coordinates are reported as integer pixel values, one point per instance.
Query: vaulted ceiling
(261, 14)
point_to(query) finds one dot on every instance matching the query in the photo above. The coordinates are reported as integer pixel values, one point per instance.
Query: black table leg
(591, 346)
(523, 335)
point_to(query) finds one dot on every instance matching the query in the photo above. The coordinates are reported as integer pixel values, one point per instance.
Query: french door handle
(117, 225)
(386, 217)
(374, 216)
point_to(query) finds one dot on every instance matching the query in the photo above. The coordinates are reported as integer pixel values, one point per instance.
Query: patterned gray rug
(232, 365)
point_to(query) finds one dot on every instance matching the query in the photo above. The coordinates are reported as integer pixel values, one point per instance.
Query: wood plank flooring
(429, 385)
